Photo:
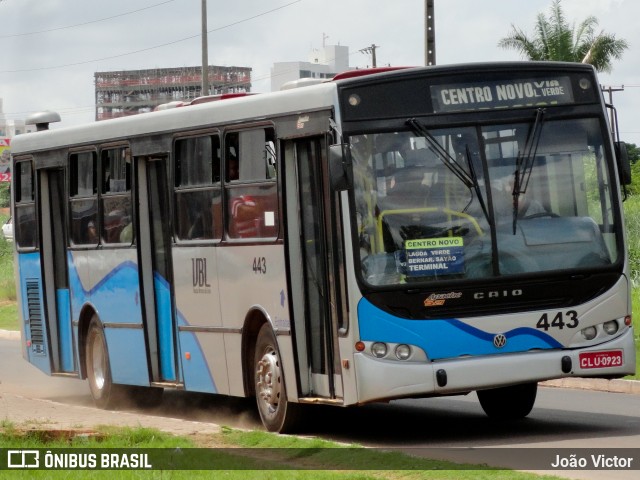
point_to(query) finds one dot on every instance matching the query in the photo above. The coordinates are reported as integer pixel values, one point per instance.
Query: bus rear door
(156, 272)
(52, 197)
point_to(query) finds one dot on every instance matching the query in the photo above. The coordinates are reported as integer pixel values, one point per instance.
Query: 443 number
(567, 319)
(259, 265)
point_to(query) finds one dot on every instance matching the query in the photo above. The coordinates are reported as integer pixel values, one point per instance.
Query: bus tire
(277, 414)
(508, 403)
(105, 393)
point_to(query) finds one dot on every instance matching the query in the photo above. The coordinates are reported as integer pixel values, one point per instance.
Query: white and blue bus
(407, 233)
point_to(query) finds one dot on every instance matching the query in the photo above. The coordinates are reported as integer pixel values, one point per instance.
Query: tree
(555, 39)
(634, 153)
(634, 189)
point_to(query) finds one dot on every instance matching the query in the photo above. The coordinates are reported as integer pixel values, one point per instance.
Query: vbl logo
(199, 266)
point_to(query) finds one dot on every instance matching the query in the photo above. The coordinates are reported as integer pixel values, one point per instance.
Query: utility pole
(205, 51)
(372, 51)
(429, 33)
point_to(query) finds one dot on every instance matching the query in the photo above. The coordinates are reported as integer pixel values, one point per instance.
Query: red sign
(5, 159)
(606, 359)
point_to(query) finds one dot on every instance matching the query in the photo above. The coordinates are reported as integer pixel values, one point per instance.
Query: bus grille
(36, 327)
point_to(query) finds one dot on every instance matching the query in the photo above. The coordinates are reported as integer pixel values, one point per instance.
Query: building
(128, 92)
(8, 130)
(11, 128)
(323, 63)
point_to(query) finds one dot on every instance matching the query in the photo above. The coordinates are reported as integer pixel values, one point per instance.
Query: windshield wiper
(442, 154)
(524, 165)
(476, 185)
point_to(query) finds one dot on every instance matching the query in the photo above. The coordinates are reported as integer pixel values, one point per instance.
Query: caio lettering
(497, 294)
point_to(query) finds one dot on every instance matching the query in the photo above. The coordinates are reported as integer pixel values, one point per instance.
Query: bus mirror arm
(339, 167)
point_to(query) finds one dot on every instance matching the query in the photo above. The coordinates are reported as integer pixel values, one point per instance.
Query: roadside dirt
(64, 420)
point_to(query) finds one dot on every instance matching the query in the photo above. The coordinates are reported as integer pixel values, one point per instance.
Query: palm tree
(555, 39)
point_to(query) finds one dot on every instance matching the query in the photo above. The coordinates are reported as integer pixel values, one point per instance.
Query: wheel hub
(268, 379)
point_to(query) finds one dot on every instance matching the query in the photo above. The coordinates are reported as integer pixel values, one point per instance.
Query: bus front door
(156, 272)
(314, 288)
(55, 272)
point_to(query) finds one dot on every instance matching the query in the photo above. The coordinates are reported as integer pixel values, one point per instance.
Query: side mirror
(624, 166)
(339, 167)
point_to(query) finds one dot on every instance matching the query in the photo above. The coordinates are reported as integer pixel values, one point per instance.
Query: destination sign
(501, 94)
(434, 256)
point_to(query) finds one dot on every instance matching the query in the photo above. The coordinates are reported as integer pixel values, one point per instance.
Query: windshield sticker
(434, 256)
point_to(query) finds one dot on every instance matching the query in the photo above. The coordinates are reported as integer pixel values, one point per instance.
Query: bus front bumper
(388, 380)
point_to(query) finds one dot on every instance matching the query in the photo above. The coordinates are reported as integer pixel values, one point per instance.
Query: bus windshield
(482, 201)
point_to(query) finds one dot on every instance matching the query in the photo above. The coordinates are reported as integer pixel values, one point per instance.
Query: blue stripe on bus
(64, 330)
(127, 356)
(164, 318)
(127, 267)
(446, 338)
(115, 297)
(29, 269)
(195, 370)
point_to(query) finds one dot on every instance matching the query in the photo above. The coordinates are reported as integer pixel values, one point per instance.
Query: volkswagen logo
(499, 340)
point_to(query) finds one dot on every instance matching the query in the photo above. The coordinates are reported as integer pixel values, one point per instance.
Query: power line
(84, 23)
(91, 108)
(84, 62)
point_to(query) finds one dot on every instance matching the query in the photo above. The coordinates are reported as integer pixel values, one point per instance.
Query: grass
(243, 455)
(7, 277)
(632, 223)
(9, 315)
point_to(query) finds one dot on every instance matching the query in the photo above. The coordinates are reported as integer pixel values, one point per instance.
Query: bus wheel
(104, 392)
(277, 414)
(508, 403)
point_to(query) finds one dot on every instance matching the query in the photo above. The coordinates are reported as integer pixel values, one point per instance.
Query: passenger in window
(92, 232)
(233, 169)
(126, 235)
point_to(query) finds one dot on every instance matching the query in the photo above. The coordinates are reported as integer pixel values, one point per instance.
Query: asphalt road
(450, 428)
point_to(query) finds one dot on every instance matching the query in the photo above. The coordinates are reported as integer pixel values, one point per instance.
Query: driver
(503, 201)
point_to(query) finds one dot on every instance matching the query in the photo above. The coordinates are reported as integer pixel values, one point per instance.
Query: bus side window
(24, 220)
(251, 189)
(197, 183)
(116, 196)
(83, 195)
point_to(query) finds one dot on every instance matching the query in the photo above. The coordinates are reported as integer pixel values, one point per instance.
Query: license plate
(612, 358)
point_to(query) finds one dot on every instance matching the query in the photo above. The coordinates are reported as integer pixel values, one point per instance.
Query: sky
(51, 48)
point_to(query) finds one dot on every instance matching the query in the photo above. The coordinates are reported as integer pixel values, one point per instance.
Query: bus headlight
(403, 352)
(589, 333)
(379, 349)
(610, 327)
(354, 100)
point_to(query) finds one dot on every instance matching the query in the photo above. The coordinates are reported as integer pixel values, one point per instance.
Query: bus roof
(232, 110)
